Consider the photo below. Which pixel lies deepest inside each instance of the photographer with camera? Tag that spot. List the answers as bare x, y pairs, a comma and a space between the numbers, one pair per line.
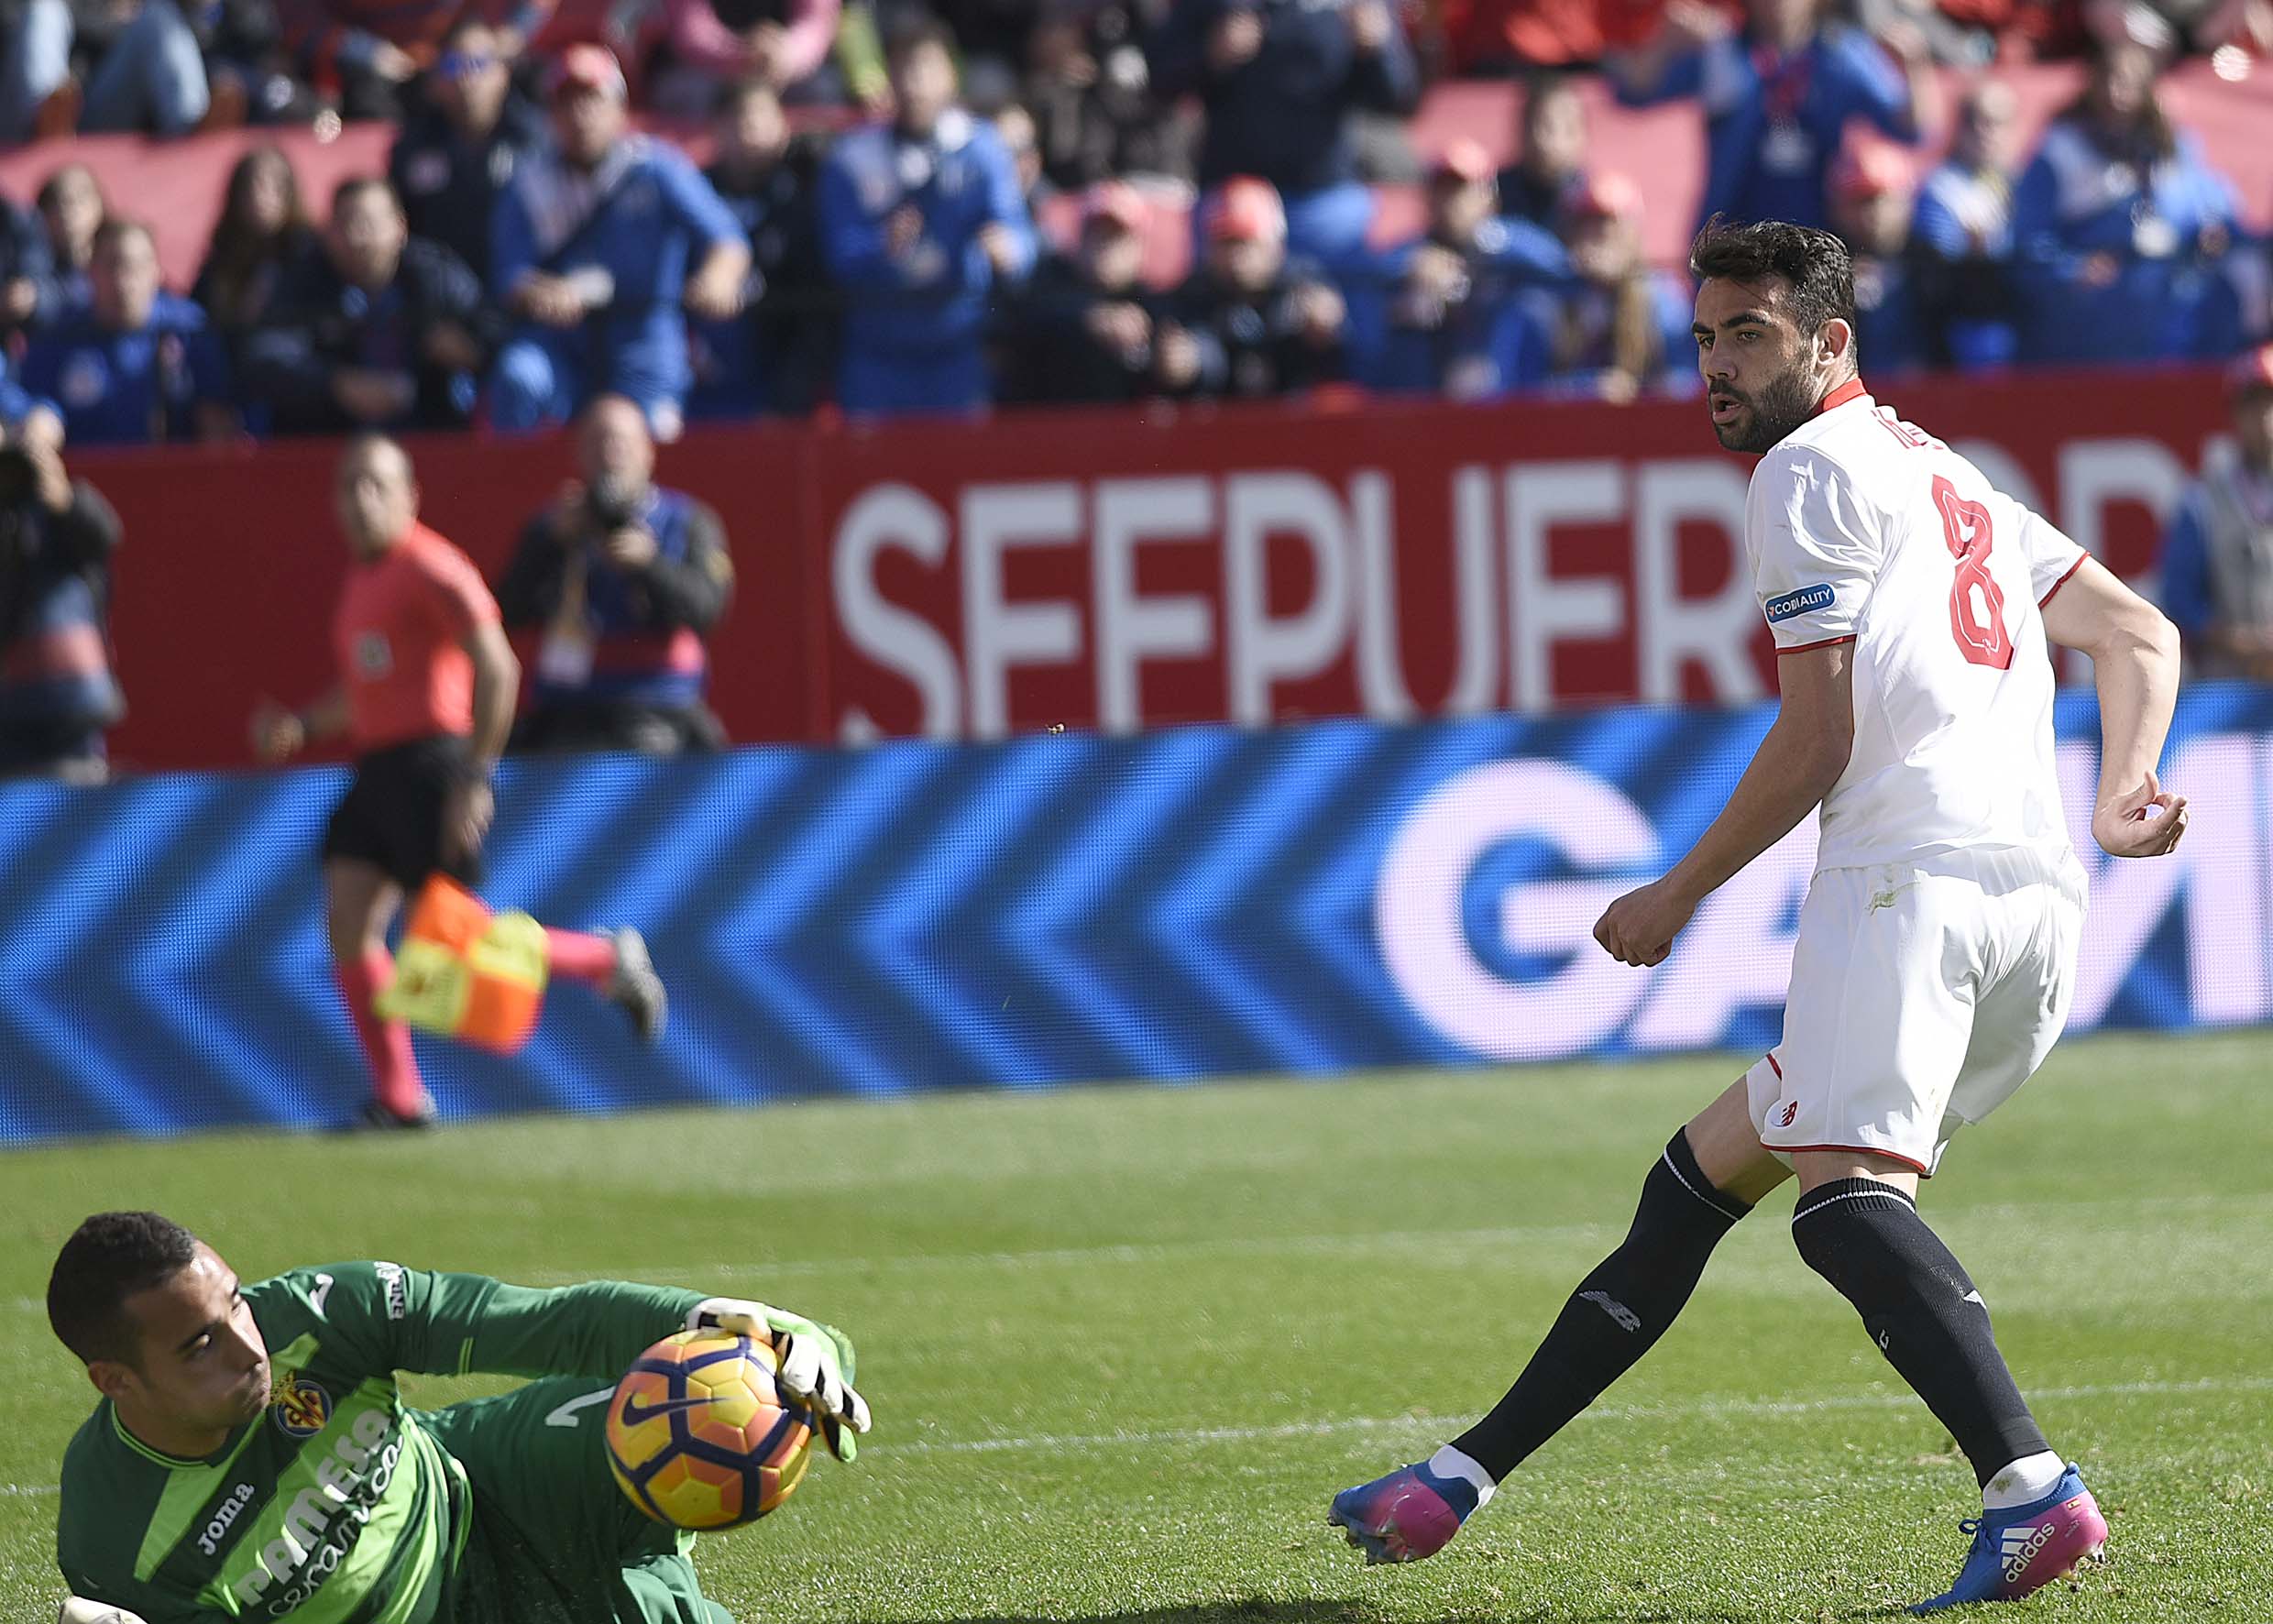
618, 584
57, 692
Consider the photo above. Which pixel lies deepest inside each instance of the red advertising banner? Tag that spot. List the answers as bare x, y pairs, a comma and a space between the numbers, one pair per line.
1114, 570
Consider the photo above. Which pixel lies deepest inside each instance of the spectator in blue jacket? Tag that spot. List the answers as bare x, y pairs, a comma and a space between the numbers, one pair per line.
1279, 79
1621, 326
1778, 96
1444, 313
372, 329
21, 413
2121, 227
921, 224
139, 364
1961, 236
2217, 556
1965, 207
468, 137
602, 249
57, 691
1872, 197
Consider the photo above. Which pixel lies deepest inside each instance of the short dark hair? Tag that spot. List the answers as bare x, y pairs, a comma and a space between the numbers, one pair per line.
115, 229
1542, 85
1814, 263
355, 186
913, 35
52, 187
107, 1259
465, 23
735, 92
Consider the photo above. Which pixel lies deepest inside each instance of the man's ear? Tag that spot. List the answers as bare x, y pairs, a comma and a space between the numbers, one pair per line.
114, 1379
1836, 340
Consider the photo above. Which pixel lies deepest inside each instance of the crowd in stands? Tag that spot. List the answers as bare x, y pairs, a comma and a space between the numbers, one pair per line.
866, 230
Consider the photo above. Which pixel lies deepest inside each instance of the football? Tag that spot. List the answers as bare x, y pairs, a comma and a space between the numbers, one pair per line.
701, 1433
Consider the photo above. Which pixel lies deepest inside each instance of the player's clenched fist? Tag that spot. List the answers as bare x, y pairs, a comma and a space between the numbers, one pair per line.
1639, 926
816, 1361
2146, 822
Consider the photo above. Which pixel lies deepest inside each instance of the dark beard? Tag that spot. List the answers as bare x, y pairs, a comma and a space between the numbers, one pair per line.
1777, 410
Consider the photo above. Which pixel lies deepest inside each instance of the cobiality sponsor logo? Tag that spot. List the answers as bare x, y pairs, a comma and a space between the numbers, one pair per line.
1804, 601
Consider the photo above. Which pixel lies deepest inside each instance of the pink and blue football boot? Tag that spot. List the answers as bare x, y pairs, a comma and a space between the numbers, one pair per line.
2026, 1548
1412, 1513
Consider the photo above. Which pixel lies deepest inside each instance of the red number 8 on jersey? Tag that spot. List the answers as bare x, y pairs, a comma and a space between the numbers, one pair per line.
1978, 629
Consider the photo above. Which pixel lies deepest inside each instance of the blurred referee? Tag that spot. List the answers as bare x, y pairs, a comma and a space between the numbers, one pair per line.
426, 691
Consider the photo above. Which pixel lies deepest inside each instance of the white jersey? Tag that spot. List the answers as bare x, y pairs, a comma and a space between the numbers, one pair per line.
1862, 529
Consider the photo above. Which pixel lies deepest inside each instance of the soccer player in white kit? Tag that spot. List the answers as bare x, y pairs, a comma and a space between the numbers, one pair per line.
1911, 604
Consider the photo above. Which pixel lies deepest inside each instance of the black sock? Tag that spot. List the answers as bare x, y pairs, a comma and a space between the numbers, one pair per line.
1616, 1315
1919, 1306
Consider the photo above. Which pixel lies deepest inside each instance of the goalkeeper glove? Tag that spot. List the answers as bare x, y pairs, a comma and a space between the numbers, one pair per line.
815, 1362
78, 1610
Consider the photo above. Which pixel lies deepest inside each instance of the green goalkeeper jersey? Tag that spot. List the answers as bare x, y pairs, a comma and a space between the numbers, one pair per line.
335, 1505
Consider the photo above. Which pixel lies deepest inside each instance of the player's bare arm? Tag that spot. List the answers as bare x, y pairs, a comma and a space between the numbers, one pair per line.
2135, 665
1795, 767
280, 735
496, 683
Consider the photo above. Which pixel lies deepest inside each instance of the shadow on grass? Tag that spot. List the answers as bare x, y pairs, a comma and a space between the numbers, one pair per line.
1257, 1611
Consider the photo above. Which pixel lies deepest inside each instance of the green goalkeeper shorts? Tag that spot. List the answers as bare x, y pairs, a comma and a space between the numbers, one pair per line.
555, 1541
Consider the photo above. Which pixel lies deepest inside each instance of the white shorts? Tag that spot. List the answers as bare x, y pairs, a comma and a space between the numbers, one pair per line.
1921, 1000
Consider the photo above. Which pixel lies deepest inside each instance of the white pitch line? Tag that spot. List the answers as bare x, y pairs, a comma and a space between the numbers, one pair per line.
1070, 1443
1085, 1442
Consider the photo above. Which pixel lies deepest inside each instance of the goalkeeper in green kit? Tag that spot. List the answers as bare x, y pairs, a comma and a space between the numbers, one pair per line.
252, 1458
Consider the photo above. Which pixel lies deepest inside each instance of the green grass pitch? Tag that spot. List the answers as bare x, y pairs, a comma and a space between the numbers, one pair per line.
1123, 1344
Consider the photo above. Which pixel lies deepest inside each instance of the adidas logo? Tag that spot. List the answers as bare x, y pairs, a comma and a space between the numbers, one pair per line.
2019, 1545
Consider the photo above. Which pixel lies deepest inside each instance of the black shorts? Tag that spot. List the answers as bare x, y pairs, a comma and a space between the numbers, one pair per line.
391, 814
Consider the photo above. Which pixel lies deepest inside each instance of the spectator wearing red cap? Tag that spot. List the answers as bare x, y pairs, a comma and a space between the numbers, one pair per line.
2217, 556
922, 225
1620, 328
1961, 236
1279, 79
1251, 324
1086, 327
1445, 313
2122, 228
1778, 94
1871, 206
602, 248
